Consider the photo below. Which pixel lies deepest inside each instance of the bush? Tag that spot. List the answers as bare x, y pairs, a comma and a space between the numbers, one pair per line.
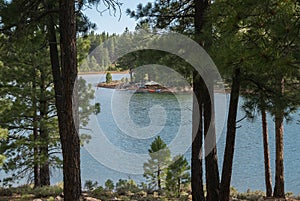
108, 78
47, 191
124, 186
22, 190
109, 185
100, 193
90, 185
233, 192
26, 197
251, 195
51, 199
5, 192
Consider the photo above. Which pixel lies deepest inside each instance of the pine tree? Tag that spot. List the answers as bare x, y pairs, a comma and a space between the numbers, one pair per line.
26, 80
155, 168
16, 17
257, 38
177, 175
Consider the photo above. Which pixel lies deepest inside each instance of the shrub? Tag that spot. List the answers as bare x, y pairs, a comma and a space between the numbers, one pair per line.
233, 192
26, 197
24, 189
108, 78
124, 186
251, 195
109, 185
51, 199
90, 185
47, 191
5, 192
100, 193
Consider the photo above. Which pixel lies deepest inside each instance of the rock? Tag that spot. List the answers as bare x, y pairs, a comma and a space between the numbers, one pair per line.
91, 199
114, 199
58, 198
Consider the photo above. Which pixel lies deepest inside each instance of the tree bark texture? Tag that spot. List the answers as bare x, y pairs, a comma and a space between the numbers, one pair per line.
69, 126
268, 178
197, 129
279, 116
64, 71
230, 136
44, 135
197, 124
211, 159
36, 166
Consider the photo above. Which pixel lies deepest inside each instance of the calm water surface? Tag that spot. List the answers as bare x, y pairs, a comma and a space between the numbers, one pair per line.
248, 168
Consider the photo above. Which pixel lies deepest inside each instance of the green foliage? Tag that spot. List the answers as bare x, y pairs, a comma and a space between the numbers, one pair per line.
251, 195
3, 136
97, 108
173, 15
125, 186
29, 112
85, 95
155, 169
47, 191
178, 174
5, 192
101, 193
262, 38
90, 185
26, 190
116, 46
93, 54
51, 199
26, 197
108, 78
83, 46
109, 185
28, 109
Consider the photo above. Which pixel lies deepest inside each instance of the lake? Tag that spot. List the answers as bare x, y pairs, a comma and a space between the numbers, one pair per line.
170, 116
129, 122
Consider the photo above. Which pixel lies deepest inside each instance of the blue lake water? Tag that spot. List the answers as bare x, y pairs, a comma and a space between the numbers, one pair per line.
248, 168
128, 123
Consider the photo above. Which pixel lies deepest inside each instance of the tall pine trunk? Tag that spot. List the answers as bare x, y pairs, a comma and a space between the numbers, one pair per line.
230, 136
211, 159
36, 160
44, 135
279, 174
198, 89
197, 129
279, 170
158, 180
69, 125
64, 77
36, 166
268, 179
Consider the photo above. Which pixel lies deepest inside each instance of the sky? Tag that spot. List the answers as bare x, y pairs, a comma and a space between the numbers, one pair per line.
112, 24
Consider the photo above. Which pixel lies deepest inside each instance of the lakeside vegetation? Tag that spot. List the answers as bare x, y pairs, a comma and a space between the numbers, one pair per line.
130, 191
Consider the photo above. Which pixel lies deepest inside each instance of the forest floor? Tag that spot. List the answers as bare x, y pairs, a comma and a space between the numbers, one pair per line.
86, 197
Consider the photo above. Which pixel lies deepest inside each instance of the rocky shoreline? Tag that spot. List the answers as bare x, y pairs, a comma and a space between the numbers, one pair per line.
119, 85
